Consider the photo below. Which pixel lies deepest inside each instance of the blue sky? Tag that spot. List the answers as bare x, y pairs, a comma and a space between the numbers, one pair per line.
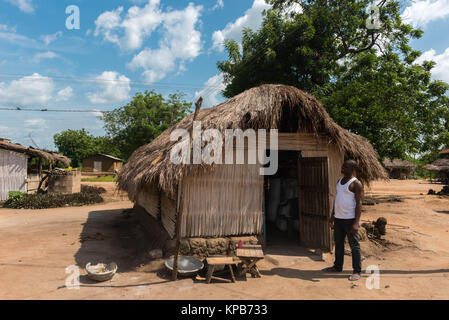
123, 47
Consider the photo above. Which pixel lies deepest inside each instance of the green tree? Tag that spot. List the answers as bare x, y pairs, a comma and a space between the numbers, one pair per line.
143, 119
79, 144
365, 77
394, 104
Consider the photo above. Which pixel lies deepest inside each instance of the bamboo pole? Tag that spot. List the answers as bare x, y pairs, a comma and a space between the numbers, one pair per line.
174, 276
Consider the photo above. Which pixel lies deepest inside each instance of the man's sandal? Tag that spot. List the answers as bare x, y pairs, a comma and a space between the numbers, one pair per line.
354, 277
331, 269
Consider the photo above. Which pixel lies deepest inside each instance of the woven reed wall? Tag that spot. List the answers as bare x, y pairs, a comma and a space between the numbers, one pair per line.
13, 173
224, 202
148, 199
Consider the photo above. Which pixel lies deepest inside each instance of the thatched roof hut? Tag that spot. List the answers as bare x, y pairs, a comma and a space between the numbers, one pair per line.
48, 155
304, 126
15, 172
399, 168
439, 165
259, 107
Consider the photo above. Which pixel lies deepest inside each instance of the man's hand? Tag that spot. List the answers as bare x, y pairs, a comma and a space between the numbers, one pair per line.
355, 228
331, 223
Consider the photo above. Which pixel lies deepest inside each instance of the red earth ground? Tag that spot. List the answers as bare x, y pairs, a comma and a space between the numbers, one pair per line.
36, 247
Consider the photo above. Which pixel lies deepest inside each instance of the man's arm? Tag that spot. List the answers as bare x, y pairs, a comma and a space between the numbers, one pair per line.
358, 193
332, 218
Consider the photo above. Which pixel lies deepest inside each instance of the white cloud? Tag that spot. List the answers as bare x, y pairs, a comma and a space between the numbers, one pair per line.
34, 122
217, 5
29, 90
64, 94
421, 12
115, 88
179, 41
440, 71
23, 5
45, 55
130, 32
233, 30
211, 91
49, 38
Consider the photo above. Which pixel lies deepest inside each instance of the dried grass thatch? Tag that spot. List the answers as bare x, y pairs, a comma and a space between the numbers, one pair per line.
439, 165
398, 164
50, 156
261, 107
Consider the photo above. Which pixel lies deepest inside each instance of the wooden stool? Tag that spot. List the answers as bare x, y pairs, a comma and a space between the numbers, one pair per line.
215, 261
250, 255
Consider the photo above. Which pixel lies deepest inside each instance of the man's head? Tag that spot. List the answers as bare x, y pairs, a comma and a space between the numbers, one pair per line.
348, 167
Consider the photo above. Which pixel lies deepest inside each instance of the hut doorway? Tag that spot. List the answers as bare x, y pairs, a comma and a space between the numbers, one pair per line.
297, 202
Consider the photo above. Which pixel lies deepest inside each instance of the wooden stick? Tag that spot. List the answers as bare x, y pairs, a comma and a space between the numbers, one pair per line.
174, 276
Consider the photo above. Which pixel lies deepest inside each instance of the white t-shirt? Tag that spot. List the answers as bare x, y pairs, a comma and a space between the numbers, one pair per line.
345, 200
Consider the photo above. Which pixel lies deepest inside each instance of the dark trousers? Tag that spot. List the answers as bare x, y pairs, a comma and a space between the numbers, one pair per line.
342, 228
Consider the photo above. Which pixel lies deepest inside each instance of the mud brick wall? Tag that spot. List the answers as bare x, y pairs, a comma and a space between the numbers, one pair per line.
204, 247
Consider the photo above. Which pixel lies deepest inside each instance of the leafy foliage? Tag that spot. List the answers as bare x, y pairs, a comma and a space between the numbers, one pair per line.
366, 78
89, 195
143, 119
79, 144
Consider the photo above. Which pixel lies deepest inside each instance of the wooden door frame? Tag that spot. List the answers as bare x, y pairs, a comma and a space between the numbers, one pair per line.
325, 160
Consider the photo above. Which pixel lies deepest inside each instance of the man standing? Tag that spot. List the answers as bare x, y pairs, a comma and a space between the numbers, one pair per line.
345, 219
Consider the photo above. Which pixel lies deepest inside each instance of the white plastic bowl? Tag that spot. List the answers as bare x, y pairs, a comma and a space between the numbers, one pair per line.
101, 271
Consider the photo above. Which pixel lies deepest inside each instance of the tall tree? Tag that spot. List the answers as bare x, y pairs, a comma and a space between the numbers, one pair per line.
79, 144
143, 119
360, 65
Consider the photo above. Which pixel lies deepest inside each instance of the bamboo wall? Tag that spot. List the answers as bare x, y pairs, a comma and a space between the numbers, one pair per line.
148, 199
13, 173
224, 202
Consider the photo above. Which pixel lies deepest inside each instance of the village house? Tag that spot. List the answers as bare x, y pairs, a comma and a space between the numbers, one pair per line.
17, 170
223, 203
102, 164
399, 168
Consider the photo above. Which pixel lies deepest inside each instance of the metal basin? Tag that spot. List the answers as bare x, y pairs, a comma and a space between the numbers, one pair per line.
187, 266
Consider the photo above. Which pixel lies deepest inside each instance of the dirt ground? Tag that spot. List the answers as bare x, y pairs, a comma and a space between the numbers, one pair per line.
36, 247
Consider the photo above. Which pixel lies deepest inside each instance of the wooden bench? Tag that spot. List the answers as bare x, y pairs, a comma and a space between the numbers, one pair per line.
215, 261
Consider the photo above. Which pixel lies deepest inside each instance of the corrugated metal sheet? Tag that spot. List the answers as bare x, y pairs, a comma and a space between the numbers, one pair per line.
13, 173
224, 202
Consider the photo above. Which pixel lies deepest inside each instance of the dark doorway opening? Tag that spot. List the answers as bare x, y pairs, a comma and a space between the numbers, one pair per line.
281, 201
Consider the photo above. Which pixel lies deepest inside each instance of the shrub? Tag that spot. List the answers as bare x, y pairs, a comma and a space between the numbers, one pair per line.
51, 200
14, 197
92, 189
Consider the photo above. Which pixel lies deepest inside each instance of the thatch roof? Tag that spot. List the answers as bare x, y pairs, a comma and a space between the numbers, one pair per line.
398, 164
50, 156
258, 108
446, 151
438, 165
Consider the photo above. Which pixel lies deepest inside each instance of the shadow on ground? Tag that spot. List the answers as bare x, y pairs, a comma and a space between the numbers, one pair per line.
316, 275
113, 236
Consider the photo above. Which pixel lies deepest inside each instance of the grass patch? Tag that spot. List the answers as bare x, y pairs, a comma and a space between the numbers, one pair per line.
100, 179
88, 195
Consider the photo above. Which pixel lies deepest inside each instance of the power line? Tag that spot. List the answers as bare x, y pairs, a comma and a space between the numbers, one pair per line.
52, 110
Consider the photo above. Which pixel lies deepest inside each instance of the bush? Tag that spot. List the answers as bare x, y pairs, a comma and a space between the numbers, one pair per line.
15, 197
92, 189
43, 201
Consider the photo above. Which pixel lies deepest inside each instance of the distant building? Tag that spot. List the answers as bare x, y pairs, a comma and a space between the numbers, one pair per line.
399, 169
441, 166
16, 173
102, 163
